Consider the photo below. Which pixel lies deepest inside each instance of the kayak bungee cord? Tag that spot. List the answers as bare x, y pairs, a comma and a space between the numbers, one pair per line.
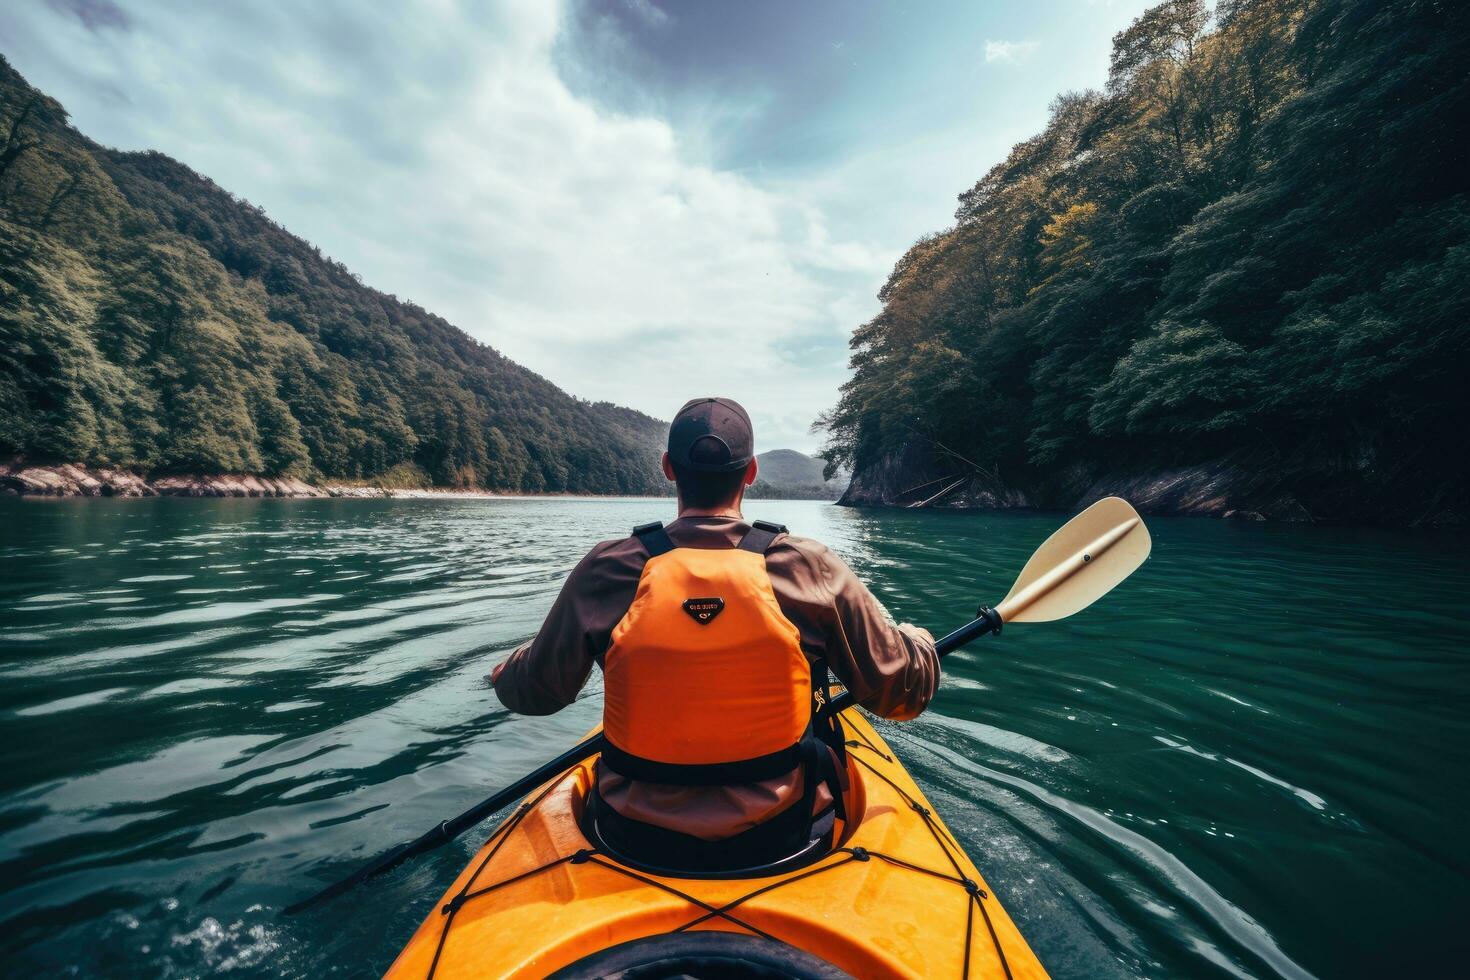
976, 895
945, 842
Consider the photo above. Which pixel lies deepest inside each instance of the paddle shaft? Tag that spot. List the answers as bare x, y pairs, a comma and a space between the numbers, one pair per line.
450, 829
987, 622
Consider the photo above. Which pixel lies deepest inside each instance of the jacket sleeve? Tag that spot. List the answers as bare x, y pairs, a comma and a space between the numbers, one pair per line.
891, 668
546, 674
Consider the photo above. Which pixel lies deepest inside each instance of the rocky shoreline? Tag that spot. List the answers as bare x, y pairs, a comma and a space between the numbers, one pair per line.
18, 478
71, 480
1231, 488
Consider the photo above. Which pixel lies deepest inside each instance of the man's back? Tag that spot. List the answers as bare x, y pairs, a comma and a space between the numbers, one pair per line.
891, 669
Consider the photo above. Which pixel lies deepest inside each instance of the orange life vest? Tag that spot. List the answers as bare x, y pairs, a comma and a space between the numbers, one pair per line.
706, 681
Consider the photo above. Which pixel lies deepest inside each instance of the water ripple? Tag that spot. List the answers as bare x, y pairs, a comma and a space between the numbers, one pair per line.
211, 707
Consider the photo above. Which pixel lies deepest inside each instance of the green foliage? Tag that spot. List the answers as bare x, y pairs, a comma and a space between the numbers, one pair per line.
149, 319
1253, 242
404, 476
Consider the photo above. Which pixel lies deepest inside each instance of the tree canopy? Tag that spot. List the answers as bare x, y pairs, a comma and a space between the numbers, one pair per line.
149, 319
1252, 244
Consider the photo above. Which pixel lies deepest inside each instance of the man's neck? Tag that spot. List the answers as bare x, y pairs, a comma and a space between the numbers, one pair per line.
728, 510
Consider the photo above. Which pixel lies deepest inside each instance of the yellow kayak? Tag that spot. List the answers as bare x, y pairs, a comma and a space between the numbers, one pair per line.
897, 897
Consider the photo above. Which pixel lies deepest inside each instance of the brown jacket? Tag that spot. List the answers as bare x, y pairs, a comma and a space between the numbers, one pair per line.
891, 668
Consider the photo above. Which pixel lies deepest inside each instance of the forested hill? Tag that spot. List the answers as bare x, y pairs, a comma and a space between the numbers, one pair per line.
785, 474
1242, 268
787, 467
151, 320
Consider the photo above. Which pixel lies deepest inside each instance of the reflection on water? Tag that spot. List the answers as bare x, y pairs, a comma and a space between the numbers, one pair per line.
1249, 761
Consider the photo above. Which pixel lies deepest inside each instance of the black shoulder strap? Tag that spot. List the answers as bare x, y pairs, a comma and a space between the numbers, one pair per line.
760, 536
654, 538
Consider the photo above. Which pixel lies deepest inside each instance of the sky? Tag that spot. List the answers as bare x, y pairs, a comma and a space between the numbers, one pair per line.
643, 201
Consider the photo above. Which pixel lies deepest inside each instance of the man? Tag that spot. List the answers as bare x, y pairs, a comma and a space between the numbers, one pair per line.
715, 638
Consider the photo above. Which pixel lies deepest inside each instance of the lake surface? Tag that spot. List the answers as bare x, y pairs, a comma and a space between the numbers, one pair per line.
1252, 759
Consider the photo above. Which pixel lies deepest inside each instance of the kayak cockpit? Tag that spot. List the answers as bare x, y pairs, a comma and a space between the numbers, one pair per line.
823, 842
895, 897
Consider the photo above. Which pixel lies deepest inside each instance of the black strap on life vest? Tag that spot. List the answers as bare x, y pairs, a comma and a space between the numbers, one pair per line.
764, 847
760, 537
654, 538
756, 770
826, 730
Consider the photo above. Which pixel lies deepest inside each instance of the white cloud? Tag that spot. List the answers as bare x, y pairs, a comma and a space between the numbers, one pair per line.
649, 14
436, 151
1010, 52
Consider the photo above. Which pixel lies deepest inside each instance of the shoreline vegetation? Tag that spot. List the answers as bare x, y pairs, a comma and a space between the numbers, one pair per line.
152, 322
165, 338
19, 478
1232, 281
1218, 492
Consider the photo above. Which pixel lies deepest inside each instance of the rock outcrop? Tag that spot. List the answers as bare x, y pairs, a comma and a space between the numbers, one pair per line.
1237, 488
913, 479
18, 477
355, 490
235, 486
1217, 489
70, 480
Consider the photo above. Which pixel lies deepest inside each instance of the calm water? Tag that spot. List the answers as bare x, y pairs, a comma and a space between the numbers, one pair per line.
1250, 760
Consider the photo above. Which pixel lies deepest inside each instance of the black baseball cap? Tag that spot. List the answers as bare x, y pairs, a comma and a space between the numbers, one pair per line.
711, 435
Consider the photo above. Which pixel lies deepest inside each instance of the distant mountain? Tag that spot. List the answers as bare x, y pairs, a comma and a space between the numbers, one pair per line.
788, 474
151, 320
787, 467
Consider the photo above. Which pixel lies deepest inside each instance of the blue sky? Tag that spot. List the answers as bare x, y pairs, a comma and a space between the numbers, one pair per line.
641, 200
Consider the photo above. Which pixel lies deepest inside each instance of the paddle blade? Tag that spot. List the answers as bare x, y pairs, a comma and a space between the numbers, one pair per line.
1079, 564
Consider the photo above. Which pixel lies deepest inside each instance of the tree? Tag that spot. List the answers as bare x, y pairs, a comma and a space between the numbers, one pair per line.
149, 318
1246, 248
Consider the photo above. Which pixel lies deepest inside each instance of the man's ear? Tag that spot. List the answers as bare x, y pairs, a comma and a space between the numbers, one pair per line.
750, 471
668, 465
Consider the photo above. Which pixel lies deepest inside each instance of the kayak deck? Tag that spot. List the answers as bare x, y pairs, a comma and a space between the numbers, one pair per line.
897, 897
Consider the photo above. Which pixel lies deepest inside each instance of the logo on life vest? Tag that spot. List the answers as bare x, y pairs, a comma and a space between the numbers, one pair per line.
702, 611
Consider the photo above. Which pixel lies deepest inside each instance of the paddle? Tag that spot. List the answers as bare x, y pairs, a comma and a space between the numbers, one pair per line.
1079, 564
